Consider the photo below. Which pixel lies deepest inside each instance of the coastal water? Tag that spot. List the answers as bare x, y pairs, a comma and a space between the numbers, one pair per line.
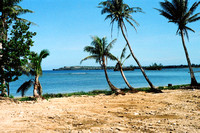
87, 80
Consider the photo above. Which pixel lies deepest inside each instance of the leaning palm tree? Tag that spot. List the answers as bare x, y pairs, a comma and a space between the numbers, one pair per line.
118, 11
179, 13
118, 66
34, 69
9, 11
100, 51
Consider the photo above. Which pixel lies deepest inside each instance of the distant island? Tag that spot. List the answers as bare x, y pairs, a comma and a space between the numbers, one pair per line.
127, 68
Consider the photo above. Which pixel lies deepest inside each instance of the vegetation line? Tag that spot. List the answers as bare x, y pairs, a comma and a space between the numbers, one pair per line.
104, 92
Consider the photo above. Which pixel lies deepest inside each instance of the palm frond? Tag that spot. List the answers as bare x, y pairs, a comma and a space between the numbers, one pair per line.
126, 58
90, 49
131, 24
110, 45
44, 53
188, 28
123, 53
111, 57
165, 14
24, 87
194, 7
194, 18
89, 57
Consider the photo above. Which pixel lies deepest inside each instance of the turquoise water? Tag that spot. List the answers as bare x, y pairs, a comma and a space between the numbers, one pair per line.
87, 80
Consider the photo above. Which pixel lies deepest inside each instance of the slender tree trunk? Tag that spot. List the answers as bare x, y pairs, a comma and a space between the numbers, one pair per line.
35, 90
138, 63
3, 37
125, 80
193, 79
8, 88
40, 89
112, 87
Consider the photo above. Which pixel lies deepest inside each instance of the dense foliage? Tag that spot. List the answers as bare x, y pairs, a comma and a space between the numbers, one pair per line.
16, 51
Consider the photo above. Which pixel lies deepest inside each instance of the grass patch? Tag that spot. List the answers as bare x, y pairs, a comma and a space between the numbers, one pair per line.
174, 87
97, 92
146, 89
11, 96
27, 99
90, 93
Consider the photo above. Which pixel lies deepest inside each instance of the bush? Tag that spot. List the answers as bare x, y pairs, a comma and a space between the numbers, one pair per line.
11, 96
27, 99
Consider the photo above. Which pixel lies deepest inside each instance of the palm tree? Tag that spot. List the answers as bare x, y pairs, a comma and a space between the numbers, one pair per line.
178, 12
118, 11
100, 51
119, 65
9, 10
34, 69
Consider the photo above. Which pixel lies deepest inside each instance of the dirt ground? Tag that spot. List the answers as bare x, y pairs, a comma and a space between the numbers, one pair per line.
171, 111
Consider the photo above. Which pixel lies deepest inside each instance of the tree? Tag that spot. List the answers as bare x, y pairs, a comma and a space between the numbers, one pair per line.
179, 13
119, 65
9, 12
118, 11
16, 50
33, 68
100, 51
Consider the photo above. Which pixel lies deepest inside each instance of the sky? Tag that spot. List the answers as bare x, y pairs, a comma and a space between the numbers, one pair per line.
65, 27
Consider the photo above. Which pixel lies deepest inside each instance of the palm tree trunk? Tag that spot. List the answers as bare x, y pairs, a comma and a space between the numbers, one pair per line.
125, 80
40, 89
138, 63
112, 87
193, 79
35, 90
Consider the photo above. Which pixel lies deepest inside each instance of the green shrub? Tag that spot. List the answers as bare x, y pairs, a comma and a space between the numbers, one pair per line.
27, 99
11, 96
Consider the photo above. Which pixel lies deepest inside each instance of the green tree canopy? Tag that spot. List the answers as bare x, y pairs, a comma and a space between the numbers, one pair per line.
16, 51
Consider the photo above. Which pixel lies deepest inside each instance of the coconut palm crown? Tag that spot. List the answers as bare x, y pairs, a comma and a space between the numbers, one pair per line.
177, 12
118, 11
11, 9
99, 49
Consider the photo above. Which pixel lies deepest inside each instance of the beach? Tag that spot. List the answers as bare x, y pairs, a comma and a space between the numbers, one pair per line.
171, 111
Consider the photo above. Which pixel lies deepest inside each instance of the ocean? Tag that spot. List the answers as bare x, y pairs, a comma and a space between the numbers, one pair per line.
87, 80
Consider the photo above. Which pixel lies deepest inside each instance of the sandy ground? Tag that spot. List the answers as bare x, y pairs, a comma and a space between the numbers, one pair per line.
171, 111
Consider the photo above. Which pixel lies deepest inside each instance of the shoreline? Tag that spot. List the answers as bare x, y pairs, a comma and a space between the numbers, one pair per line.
102, 92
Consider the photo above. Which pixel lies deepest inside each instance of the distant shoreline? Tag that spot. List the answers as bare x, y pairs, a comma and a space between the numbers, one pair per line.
128, 68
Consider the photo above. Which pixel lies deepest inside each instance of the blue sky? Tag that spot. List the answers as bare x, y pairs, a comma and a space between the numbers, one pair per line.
65, 27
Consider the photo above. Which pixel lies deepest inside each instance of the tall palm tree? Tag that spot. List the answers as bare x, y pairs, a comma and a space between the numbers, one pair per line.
179, 13
34, 68
118, 11
119, 65
9, 10
100, 51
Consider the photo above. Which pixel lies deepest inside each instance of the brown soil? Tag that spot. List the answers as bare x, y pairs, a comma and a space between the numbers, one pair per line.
171, 111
